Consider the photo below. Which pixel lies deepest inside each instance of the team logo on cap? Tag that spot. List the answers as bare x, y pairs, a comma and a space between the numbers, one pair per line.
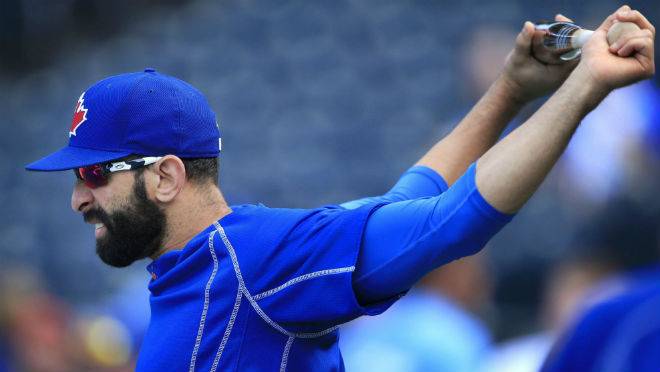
79, 116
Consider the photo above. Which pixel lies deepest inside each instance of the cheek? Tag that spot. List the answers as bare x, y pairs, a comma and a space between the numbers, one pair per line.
103, 200
110, 203
116, 194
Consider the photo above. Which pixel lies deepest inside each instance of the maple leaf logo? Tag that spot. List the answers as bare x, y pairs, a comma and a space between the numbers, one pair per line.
79, 116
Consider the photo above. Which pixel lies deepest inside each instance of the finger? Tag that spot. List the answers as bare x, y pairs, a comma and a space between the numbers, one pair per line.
636, 17
643, 45
562, 18
623, 39
538, 50
607, 23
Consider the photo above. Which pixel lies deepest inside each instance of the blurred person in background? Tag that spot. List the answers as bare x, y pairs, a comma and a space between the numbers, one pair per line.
567, 284
36, 326
433, 328
619, 242
619, 327
40, 332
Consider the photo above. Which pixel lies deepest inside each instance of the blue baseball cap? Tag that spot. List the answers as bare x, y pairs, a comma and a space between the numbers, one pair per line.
145, 113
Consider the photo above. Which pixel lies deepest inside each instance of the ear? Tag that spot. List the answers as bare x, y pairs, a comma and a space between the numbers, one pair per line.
170, 177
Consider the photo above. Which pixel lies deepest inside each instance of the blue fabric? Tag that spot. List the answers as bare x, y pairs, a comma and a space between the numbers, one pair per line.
620, 334
5, 360
271, 291
407, 239
144, 113
418, 182
272, 248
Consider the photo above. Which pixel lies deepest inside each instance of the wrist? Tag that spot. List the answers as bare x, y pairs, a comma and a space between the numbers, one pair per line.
511, 91
585, 88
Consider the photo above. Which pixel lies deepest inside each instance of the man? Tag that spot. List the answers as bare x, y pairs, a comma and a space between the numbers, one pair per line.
254, 288
619, 329
619, 334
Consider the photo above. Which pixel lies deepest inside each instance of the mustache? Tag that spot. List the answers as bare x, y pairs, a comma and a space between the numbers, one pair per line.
96, 215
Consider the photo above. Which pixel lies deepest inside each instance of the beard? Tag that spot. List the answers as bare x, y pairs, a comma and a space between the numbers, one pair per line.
132, 233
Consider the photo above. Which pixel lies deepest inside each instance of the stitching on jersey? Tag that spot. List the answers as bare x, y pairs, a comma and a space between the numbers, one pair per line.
207, 293
253, 302
230, 326
285, 355
301, 278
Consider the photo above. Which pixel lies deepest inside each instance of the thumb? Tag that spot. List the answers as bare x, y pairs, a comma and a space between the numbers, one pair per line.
524, 39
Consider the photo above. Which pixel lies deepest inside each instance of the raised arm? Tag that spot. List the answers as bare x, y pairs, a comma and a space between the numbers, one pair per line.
522, 79
405, 240
509, 173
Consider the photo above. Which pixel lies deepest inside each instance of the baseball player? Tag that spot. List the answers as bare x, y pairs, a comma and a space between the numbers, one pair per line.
617, 335
619, 329
252, 288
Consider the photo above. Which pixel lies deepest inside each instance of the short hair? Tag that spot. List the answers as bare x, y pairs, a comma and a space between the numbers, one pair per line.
624, 233
200, 170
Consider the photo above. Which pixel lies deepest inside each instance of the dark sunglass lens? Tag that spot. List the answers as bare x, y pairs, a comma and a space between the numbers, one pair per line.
93, 176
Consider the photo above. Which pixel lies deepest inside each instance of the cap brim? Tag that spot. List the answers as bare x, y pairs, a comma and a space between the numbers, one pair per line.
73, 157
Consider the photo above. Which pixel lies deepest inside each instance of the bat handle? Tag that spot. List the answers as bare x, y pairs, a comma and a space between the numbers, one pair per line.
580, 38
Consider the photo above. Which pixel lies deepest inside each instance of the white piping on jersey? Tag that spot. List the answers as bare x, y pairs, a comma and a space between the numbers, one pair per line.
230, 326
285, 354
301, 278
253, 302
207, 292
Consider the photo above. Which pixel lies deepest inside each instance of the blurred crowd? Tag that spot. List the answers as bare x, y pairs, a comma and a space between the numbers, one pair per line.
41, 332
320, 102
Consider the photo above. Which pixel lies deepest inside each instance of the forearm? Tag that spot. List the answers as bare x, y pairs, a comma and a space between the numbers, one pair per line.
510, 172
475, 134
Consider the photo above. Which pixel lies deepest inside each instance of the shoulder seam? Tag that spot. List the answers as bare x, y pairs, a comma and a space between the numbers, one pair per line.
253, 302
303, 278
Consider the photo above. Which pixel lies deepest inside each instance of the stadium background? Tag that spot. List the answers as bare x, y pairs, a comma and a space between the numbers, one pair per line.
319, 102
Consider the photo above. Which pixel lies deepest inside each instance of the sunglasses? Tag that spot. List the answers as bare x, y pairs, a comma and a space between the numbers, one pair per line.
97, 175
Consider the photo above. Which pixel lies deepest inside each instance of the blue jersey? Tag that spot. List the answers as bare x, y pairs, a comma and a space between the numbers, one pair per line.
619, 335
262, 290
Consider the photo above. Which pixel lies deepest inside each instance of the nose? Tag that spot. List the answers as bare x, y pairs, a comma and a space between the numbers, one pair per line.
81, 197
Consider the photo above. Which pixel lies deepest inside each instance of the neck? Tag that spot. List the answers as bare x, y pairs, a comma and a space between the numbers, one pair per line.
199, 208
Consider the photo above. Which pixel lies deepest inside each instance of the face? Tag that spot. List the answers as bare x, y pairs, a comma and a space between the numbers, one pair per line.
129, 226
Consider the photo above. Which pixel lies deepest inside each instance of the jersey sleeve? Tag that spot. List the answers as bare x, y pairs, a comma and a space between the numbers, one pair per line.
417, 182
297, 265
405, 240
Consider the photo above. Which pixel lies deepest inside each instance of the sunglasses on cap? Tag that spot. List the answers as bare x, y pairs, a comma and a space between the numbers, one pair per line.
97, 175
